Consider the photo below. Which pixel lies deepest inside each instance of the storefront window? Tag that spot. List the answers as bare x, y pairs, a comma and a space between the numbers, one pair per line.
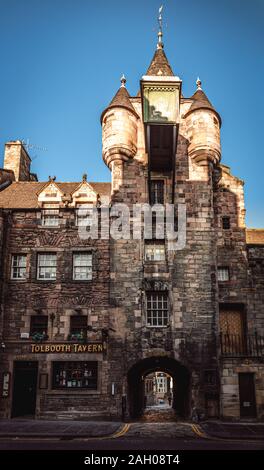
75, 375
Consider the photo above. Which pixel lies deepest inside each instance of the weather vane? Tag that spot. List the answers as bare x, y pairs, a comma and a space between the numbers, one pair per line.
160, 17
160, 34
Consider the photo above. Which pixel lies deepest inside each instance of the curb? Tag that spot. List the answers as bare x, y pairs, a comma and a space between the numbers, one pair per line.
117, 433
221, 437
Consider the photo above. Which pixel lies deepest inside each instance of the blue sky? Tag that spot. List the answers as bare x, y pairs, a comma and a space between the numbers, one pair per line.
61, 61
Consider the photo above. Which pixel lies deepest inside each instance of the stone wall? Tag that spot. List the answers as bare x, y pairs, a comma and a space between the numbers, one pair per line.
230, 403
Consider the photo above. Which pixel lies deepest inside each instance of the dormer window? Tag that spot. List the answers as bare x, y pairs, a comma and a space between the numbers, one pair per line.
50, 195
50, 217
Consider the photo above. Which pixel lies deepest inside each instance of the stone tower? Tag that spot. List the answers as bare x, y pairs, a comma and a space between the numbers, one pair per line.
166, 164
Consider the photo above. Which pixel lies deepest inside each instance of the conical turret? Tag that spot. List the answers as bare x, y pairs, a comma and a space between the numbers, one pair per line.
119, 123
203, 123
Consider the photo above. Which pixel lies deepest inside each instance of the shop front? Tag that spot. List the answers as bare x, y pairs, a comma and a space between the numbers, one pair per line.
55, 380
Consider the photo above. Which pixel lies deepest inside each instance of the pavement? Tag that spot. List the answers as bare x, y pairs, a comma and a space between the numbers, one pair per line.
43, 429
64, 429
241, 430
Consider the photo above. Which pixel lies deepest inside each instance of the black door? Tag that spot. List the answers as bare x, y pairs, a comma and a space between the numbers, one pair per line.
24, 388
247, 396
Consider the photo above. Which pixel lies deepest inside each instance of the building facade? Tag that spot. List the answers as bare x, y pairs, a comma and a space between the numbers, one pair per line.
84, 320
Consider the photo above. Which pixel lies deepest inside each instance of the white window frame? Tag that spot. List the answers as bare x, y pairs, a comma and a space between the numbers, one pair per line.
50, 217
18, 267
83, 213
82, 265
157, 254
47, 262
223, 274
157, 309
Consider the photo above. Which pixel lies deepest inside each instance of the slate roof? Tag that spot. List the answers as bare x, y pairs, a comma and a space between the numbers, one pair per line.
200, 101
24, 195
160, 65
121, 99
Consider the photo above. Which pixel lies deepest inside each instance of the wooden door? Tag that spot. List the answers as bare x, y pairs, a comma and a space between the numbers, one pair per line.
247, 395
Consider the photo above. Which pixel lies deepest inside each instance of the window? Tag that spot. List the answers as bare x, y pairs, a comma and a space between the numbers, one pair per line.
38, 324
50, 217
18, 270
83, 215
75, 375
78, 326
154, 251
47, 265
223, 274
226, 223
231, 321
232, 329
157, 192
82, 266
157, 308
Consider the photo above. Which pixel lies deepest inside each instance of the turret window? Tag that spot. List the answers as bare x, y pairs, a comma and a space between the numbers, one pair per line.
226, 223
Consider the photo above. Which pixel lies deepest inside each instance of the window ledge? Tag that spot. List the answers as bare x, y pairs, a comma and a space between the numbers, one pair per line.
156, 326
73, 391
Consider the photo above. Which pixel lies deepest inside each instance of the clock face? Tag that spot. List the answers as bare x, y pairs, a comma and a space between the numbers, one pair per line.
161, 104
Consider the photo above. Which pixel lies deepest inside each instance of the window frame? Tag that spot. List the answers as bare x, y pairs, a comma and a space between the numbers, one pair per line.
40, 317
19, 268
47, 279
153, 243
226, 222
74, 330
225, 269
74, 266
157, 192
86, 208
165, 314
69, 367
53, 214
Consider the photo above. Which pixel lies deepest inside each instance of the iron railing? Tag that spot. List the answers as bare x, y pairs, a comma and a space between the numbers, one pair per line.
241, 345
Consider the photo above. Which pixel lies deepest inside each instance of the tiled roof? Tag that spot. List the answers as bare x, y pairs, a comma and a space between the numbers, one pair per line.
160, 65
200, 101
24, 195
255, 236
121, 99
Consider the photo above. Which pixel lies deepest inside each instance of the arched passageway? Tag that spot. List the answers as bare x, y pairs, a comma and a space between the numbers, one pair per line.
180, 389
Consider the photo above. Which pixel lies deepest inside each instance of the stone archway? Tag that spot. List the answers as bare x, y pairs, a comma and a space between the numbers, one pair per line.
181, 384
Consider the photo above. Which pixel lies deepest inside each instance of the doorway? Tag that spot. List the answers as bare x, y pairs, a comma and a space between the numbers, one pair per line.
24, 389
247, 395
171, 374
